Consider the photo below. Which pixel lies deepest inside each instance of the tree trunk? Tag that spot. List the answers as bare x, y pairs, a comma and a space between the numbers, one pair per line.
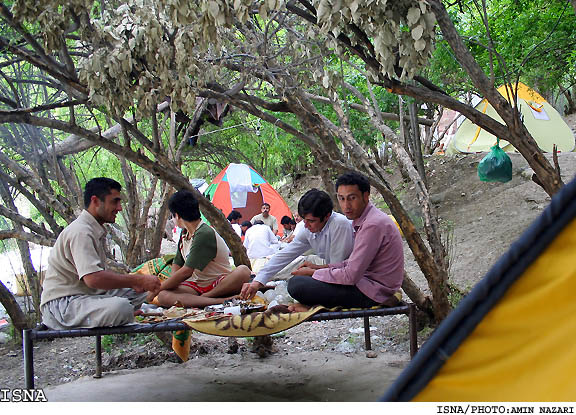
386, 158
571, 105
328, 182
376, 155
433, 266
17, 316
30, 280
415, 294
403, 130
416, 142
161, 225
548, 177
428, 148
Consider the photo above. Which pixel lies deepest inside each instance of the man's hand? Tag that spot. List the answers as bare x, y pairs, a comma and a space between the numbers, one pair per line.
311, 265
308, 264
145, 282
249, 290
305, 271
151, 296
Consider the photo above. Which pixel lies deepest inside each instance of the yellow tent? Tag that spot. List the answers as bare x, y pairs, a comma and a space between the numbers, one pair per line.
511, 338
541, 119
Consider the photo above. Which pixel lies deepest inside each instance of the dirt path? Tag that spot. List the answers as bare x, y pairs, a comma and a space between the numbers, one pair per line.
296, 377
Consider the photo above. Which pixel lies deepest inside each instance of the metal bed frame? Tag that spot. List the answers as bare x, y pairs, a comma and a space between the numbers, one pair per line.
42, 332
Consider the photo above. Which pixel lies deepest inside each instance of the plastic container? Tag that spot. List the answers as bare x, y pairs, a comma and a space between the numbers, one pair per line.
235, 310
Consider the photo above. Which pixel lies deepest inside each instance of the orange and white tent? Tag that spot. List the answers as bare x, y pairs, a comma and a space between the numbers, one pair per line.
240, 187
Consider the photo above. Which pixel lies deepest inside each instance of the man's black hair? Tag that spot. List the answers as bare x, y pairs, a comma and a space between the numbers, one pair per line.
292, 222
265, 204
99, 187
185, 205
285, 220
258, 222
354, 178
247, 224
315, 202
234, 215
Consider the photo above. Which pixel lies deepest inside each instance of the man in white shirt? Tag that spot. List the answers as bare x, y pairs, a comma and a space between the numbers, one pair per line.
299, 227
327, 233
234, 219
258, 241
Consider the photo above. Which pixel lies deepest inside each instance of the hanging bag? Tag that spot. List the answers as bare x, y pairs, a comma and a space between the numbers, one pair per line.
496, 166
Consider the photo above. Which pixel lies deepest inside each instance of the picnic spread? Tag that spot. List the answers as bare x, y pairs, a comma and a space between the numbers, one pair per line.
233, 318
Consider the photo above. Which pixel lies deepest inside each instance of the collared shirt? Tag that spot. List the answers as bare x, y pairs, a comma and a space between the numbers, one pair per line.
258, 241
78, 251
376, 265
333, 244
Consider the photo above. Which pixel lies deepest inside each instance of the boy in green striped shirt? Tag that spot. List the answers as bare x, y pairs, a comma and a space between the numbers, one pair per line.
201, 272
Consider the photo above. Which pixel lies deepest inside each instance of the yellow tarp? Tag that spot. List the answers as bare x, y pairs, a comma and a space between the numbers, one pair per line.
523, 349
254, 324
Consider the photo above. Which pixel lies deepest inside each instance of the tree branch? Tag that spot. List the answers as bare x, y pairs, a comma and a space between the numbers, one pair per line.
30, 224
47, 107
26, 236
385, 115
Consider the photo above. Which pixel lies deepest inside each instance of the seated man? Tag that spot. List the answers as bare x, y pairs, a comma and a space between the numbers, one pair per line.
244, 226
375, 269
78, 291
259, 241
234, 219
299, 225
266, 217
327, 233
201, 272
289, 225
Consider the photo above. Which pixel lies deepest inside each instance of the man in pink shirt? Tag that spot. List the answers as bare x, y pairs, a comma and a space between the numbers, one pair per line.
375, 269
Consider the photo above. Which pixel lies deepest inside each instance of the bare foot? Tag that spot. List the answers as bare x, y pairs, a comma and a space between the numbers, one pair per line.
298, 308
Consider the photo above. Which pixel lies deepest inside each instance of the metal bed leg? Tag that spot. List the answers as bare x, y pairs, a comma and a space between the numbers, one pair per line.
28, 352
367, 341
413, 331
98, 373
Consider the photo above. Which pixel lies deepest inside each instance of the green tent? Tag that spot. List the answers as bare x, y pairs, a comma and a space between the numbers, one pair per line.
541, 119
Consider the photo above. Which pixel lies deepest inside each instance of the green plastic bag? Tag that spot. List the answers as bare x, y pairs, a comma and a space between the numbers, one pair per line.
496, 166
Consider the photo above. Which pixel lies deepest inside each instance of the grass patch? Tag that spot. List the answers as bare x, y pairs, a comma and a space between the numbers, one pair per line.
110, 341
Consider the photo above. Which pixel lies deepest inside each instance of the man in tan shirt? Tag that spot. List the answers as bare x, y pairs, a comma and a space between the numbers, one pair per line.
78, 291
266, 217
